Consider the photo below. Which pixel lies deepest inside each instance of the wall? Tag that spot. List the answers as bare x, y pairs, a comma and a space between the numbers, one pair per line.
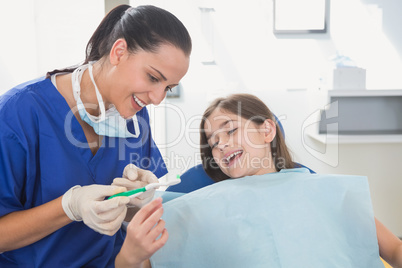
18, 43
42, 35
285, 72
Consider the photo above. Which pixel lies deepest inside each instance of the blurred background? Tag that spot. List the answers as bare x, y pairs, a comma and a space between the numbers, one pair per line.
237, 49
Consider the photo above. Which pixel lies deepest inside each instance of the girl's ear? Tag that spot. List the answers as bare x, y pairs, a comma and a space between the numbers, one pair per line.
118, 50
269, 130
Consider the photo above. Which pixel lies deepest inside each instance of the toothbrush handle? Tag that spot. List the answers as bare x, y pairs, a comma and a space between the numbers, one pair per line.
128, 193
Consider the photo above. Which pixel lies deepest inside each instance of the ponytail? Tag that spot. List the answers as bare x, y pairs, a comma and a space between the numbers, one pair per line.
143, 27
102, 39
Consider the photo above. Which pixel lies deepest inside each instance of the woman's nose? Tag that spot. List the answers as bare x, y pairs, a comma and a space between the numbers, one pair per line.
157, 96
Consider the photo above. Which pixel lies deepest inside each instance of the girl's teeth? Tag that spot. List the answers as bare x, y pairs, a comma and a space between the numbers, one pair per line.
232, 155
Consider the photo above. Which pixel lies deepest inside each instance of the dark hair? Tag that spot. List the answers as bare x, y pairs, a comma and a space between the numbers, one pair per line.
251, 108
142, 27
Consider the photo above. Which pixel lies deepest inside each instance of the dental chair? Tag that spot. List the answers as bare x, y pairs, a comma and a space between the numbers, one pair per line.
196, 177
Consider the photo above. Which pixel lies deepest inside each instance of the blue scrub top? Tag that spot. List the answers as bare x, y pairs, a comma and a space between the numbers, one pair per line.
43, 153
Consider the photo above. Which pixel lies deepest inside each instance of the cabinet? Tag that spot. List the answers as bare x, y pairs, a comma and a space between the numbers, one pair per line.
361, 116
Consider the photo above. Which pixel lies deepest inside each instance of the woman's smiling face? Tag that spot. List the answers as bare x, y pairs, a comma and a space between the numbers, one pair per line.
239, 146
144, 77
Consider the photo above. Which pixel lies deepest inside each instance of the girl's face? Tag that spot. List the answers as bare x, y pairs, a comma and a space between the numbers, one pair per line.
141, 78
239, 146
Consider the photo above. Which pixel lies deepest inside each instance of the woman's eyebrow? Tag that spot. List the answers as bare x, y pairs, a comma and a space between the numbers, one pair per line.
156, 70
220, 126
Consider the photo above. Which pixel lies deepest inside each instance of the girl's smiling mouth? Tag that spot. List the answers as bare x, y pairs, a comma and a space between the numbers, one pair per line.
229, 159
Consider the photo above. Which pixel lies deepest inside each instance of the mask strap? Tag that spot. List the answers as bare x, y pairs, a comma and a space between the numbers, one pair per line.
75, 80
98, 95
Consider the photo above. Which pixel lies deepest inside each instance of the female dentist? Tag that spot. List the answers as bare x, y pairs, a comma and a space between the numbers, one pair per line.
66, 136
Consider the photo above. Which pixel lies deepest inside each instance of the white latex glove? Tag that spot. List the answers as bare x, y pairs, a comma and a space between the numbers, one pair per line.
134, 178
88, 204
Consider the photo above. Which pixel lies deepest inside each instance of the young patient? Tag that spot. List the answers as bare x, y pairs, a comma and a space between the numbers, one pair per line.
240, 138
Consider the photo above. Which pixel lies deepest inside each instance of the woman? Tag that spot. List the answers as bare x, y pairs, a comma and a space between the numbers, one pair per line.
64, 138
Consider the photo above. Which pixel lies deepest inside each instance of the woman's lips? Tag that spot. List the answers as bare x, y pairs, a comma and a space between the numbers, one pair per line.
137, 103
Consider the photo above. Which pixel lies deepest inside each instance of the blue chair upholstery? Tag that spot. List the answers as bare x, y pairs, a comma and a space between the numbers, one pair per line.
191, 180
196, 177
298, 165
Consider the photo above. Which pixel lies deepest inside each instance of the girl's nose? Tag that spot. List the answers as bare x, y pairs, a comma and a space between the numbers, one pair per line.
223, 143
157, 96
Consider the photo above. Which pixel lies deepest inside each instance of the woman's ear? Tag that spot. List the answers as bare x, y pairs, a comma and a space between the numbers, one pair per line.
118, 50
269, 130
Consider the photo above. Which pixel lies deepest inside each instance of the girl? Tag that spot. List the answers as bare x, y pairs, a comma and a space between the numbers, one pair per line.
240, 137
64, 138
241, 223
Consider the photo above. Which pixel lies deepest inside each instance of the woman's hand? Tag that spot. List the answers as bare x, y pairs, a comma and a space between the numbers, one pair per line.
142, 236
88, 204
134, 178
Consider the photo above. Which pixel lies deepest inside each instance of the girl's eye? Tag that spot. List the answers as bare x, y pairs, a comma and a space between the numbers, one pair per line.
214, 145
168, 88
153, 78
232, 131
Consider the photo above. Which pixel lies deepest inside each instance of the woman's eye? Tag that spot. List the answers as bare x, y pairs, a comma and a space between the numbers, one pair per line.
153, 78
168, 88
232, 131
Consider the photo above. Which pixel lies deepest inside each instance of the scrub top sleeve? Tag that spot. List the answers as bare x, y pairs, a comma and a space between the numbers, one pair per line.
12, 173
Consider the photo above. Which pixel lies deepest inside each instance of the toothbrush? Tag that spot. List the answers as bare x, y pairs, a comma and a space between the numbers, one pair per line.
137, 192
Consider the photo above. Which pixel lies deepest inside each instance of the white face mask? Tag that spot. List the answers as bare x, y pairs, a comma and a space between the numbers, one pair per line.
108, 123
